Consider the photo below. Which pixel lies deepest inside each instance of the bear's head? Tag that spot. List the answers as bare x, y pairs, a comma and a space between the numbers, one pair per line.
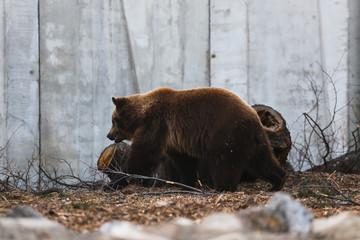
123, 119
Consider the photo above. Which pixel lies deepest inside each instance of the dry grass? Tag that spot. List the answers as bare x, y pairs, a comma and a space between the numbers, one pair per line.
84, 210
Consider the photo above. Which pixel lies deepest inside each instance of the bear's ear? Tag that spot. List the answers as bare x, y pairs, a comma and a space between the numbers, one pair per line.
119, 102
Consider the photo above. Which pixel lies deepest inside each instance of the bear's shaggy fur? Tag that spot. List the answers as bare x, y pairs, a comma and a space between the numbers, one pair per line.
209, 128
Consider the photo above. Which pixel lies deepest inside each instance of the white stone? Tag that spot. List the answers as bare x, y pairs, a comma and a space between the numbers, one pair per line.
299, 217
218, 223
184, 222
230, 236
31, 228
342, 226
127, 230
29, 223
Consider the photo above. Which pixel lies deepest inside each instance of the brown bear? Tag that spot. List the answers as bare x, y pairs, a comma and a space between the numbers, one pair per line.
209, 128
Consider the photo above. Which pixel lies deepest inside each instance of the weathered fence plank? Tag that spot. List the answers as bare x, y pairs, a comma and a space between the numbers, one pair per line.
196, 43
3, 112
93, 50
229, 43
169, 42
334, 43
354, 66
85, 61
280, 73
20, 80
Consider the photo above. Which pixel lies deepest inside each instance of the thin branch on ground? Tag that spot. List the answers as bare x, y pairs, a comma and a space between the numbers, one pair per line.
141, 177
331, 186
175, 192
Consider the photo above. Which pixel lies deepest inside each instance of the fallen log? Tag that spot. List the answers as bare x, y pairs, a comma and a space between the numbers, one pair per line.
277, 131
113, 159
348, 163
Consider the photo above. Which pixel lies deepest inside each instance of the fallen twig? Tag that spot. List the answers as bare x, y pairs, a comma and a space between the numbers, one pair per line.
345, 199
331, 186
175, 192
137, 176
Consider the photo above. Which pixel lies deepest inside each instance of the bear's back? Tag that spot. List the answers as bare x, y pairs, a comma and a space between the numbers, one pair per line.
211, 105
211, 102
196, 117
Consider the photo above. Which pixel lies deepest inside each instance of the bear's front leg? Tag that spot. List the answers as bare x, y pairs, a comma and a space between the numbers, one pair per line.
144, 158
142, 161
146, 153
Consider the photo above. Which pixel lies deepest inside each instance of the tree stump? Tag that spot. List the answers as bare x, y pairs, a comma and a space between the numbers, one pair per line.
278, 133
113, 159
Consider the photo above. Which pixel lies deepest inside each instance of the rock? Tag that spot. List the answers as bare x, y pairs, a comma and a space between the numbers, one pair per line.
282, 214
184, 222
180, 228
342, 226
25, 223
23, 212
127, 230
31, 228
261, 219
299, 217
229, 236
218, 224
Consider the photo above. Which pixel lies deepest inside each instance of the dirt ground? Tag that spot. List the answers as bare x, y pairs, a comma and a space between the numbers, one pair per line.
88, 210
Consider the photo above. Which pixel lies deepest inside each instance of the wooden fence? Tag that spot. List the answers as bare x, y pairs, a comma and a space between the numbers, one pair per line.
63, 60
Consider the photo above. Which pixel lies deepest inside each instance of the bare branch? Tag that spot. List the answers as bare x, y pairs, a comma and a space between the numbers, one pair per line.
137, 176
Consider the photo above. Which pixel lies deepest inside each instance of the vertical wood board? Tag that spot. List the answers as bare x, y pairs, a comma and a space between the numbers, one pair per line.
3, 111
169, 42
21, 79
354, 65
85, 61
229, 46
284, 51
266, 53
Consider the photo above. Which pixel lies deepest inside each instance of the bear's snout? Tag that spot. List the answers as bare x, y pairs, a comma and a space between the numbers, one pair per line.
109, 136
112, 134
